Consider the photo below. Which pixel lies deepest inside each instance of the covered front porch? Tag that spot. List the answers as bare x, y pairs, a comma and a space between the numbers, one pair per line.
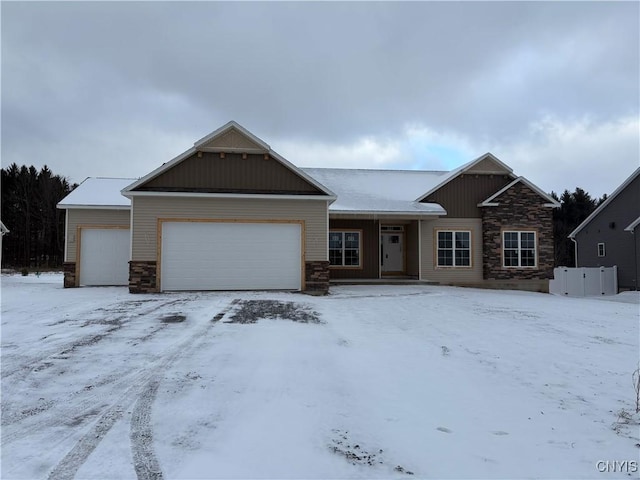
380, 249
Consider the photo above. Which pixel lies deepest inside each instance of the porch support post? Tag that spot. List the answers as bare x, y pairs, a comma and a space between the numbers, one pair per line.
379, 250
419, 249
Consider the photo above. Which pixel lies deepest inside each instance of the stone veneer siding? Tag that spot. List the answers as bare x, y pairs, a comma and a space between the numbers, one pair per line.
142, 277
317, 277
69, 269
520, 209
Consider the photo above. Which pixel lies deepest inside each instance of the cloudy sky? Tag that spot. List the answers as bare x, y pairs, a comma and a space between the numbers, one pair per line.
116, 89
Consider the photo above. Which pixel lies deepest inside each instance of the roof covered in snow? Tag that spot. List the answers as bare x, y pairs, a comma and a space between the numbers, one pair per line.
379, 191
98, 192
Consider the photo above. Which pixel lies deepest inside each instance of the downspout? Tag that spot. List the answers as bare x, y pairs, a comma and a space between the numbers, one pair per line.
66, 233
575, 251
635, 254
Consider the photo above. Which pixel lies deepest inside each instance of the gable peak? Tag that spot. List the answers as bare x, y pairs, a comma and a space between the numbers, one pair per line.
232, 137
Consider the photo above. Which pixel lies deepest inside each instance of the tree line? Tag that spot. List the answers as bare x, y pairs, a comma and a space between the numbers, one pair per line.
36, 226
36, 238
575, 207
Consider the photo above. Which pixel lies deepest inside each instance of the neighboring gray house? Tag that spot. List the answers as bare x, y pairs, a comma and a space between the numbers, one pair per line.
611, 234
3, 231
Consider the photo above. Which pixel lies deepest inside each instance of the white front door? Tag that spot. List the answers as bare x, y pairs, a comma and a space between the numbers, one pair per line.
391, 251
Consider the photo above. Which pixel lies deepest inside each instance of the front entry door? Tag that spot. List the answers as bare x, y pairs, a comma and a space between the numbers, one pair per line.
391, 251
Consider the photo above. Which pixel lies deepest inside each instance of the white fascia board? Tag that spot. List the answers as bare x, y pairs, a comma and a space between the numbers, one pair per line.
388, 213
632, 226
93, 207
265, 196
604, 204
463, 168
490, 203
229, 126
162, 168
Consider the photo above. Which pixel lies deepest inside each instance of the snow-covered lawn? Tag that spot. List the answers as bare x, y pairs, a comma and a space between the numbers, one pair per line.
437, 381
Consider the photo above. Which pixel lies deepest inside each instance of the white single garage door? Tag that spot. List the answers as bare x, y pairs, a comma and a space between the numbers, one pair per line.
104, 256
230, 256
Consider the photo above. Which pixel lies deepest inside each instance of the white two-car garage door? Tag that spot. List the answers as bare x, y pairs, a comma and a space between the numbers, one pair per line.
104, 256
230, 256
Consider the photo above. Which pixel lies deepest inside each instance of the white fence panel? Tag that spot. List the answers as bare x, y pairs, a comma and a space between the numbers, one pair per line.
584, 282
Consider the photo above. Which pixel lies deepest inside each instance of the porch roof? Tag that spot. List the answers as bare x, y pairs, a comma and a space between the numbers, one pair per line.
384, 192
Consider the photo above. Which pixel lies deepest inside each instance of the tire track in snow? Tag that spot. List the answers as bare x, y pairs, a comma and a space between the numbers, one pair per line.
141, 431
62, 351
144, 458
11, 416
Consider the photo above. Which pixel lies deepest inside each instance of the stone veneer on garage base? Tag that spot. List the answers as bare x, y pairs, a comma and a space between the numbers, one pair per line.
316, 277
142, 277
69, 269
520, 209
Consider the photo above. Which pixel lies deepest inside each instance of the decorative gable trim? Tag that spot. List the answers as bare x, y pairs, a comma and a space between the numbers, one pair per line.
604, 204
201, 145
469, 166
232, 137
491, 201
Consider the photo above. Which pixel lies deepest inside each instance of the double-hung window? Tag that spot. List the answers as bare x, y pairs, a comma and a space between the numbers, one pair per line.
454, 249
344, 248
601, 250
519, 249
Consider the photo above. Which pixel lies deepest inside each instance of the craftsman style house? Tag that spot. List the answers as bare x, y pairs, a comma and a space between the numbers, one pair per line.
231, 214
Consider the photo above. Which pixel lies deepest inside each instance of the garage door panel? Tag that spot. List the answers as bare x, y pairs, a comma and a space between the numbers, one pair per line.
104, 256
230, 256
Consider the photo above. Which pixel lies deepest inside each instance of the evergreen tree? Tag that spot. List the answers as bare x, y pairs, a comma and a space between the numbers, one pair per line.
574, 208
29, 199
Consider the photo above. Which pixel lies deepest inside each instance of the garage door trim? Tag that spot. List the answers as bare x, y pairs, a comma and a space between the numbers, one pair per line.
228, 220
79, 229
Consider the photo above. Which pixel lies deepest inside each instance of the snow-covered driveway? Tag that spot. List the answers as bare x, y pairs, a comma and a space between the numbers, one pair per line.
434, 382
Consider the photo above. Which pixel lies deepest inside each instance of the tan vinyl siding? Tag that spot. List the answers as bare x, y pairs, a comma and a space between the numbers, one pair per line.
232, 139
147, 210
460, 197
231, 174
487, 166
83, 216
460, 275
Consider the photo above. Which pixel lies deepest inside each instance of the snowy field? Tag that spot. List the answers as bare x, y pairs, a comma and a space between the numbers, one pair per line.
369, 382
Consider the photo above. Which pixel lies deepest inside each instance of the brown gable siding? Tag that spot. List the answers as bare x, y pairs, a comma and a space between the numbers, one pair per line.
460, 197
211, 173
520, 208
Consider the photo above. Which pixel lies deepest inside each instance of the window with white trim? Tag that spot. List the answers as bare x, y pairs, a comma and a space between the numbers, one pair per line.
344, 249
601, 250
454, 248
519, 249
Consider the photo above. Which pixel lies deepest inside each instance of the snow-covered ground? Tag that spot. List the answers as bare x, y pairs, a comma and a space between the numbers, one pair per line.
369, 382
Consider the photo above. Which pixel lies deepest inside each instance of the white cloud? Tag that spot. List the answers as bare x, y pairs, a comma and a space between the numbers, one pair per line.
556, 154
364, 152
561, 154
